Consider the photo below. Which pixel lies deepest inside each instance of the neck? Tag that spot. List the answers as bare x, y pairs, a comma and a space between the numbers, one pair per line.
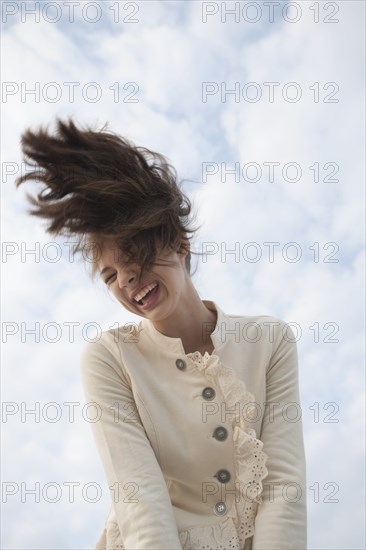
193, 324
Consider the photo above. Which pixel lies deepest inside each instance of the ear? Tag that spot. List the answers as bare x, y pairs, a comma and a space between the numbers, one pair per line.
184, 247
185, 253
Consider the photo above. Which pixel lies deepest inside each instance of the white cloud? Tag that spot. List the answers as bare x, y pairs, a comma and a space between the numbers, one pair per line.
169, 53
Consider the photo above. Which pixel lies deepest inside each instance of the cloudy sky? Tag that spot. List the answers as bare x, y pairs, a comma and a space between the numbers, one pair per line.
261, 111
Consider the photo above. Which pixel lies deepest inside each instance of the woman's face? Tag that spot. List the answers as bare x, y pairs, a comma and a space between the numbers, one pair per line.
165, 283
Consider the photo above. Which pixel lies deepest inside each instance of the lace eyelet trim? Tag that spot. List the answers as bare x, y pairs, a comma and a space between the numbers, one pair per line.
250, 463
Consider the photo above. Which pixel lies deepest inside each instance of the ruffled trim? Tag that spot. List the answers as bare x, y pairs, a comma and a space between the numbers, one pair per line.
250, 463
211, 537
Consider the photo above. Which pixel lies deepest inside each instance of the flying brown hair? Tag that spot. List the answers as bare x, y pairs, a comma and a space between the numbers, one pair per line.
100, 187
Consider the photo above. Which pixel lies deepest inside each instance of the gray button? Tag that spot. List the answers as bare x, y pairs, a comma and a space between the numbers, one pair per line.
208, 393
220, 433
180, 364
223, 476
220, 508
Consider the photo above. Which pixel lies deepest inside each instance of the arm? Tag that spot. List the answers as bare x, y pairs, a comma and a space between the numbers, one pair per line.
281, 521
141, 500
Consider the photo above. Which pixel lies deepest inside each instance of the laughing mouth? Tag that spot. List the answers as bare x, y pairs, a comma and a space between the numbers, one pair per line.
142, 296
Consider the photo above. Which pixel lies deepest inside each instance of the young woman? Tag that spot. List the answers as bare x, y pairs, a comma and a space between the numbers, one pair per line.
199, 427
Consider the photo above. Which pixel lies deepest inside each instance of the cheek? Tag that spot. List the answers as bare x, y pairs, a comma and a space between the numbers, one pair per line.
126, 305
123, 301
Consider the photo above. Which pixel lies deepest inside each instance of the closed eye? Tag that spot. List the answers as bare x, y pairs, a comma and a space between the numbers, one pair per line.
108, 279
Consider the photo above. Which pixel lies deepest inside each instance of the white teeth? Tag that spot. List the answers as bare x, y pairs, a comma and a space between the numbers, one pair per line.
144, 291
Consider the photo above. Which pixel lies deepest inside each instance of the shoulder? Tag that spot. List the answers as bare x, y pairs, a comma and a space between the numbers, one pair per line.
264, 329
109, 339
104, 351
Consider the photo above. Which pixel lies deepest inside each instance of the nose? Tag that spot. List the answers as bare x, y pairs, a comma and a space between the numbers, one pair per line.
126, 276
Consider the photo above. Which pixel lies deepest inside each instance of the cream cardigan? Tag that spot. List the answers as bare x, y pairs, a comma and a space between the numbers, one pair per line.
200, 451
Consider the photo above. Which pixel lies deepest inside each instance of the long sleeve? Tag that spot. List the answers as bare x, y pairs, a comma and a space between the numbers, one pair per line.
281, 521
139, 493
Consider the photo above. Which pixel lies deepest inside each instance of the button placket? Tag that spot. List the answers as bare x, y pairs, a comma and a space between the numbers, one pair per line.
220, 433
208, 393
180, 364
220, 508
223, 476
